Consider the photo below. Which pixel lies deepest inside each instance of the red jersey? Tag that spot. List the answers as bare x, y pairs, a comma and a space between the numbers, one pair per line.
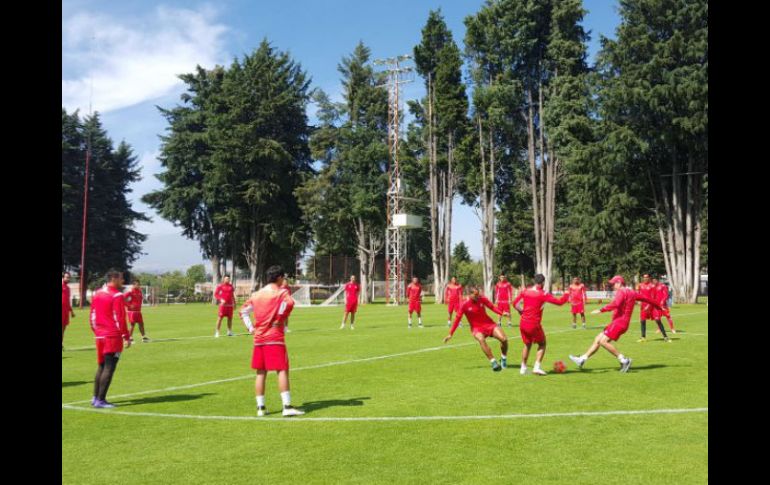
413, 292
503, 291
65, 298
647, 290
351, 292
661, 294
577, 294
108, 313
475, 313
271, 306
225, 292
453, 292
133, 299
622, 305
534, 301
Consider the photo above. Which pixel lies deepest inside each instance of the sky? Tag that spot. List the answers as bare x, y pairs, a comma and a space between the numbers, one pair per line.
122, 59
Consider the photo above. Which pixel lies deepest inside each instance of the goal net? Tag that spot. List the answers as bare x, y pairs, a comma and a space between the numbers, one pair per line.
306, 295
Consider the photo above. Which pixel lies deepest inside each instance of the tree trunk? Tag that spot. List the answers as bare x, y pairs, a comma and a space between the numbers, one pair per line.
533, 177
435, 243
216, 275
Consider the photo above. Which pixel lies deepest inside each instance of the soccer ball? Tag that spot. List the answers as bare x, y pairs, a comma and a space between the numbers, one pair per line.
559, 367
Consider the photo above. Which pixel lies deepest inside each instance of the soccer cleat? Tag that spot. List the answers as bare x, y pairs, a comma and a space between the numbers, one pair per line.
103, 404
342, 327
351, 326
574, 326
523, 371
410, 326
624, 366
292, 411
131, 339
673, 331
667, 340
503, 362
216, 334
93, 401
145, 339
539, 372
577, 360
229, 333
288, 330
420, 325
500, 324
496, 367
641, 340
261, 411
584, 326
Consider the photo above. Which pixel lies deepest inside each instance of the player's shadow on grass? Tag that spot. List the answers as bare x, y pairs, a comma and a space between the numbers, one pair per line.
74, 383
311, 406
162, 399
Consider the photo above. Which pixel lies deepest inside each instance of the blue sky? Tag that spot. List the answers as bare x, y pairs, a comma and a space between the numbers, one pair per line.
129, 54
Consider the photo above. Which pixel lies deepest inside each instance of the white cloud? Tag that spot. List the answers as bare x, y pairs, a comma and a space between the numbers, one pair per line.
131, 61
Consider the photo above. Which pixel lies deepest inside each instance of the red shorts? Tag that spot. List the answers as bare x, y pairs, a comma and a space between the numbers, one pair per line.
615, 329
270, 357
226, 311
646, 313
65, 318
658, 314
135, 317
578, 308
504, 306
414, 306
531, 333
351, 306
485, 330
453, 306
108, 345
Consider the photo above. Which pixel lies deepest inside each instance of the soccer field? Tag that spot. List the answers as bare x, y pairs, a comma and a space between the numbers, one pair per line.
388, 405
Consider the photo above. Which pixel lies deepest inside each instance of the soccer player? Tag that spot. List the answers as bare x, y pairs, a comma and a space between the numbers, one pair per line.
133, 299
482, 326
66, 305
503, 297
225, 295
414, 295
622, 307
351, 302
530, 327
108, 322
648, 290
453, 295
271, 307
577, 299
661, 291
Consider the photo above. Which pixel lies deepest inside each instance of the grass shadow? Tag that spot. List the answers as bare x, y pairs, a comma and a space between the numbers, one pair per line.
311, 406
162, 399
75, 383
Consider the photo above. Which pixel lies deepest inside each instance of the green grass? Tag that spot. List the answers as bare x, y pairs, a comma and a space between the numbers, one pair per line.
454, 380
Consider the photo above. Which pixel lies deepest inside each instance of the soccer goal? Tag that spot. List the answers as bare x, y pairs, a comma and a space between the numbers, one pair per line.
306, 295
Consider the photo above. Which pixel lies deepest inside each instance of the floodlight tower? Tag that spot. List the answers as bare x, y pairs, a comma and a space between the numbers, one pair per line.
398, 221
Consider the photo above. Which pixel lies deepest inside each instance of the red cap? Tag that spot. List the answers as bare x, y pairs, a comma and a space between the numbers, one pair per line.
617, 279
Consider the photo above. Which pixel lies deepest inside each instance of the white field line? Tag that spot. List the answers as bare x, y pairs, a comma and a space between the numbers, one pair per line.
317, 366
398, 418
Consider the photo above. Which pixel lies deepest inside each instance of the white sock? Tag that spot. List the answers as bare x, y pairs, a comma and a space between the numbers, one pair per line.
286, 398
621, 358
492, 360
537, 365
503, 356
584, 357
261, 401
419, 320
410, 320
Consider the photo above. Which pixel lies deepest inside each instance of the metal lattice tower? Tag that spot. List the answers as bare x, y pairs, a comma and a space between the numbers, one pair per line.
395, 237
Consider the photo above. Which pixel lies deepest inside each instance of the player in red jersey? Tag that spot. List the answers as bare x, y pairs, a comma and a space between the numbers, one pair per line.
577, 299
482, 326
133, 299
622, 307
108, 322
453, 295
225, 295
352, 289
534, 300
503, 298
66, 305
271, 306
648, 290
661, 292
414, 295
